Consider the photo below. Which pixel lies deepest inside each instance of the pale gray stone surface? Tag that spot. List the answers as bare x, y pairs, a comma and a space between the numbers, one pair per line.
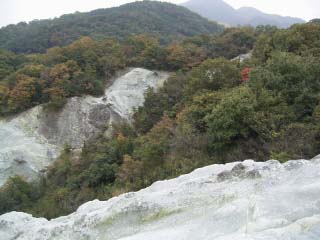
32, 140
278, 202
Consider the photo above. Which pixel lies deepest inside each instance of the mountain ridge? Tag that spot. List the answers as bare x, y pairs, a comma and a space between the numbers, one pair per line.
164, 20
222, 12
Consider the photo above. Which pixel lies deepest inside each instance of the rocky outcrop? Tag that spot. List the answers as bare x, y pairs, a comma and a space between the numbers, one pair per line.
242, 57
32, 140
236, 201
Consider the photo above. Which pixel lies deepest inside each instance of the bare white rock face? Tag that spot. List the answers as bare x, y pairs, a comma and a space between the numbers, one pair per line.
236, 201
242, 57
32, 140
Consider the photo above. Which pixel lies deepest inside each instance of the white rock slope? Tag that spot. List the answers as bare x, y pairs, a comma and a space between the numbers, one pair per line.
32, 140
237, 201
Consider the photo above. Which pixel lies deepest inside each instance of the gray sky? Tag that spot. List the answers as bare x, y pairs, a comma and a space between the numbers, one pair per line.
14, 11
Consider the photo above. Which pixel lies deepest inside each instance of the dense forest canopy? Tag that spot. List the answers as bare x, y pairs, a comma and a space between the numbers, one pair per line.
85, 66
207, 112
162, 20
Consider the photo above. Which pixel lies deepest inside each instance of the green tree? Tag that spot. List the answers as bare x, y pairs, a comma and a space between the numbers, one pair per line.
157, 103
4, 95
25, 94
111, 58
16, 195
242, 114
214, 75
294, 77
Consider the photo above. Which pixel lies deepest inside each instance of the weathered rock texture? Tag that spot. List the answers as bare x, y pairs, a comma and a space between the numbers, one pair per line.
236, 201
30, 141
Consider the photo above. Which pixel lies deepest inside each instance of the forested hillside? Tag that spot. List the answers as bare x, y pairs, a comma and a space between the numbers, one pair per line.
162, 20
211, 110
85, 66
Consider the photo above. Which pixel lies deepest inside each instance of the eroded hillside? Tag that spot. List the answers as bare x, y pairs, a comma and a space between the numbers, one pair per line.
31, 141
